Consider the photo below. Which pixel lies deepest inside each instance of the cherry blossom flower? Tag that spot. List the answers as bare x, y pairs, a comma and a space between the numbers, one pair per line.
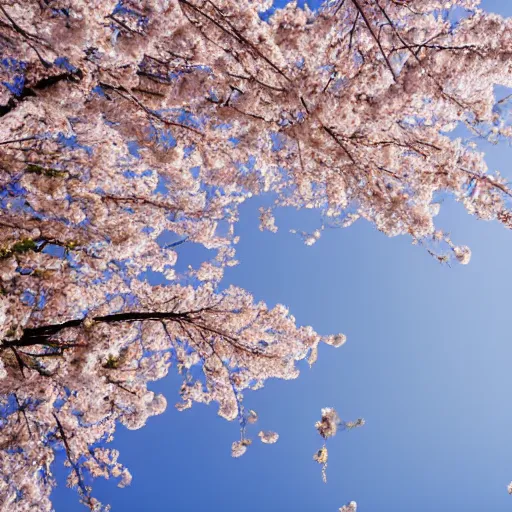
268, 437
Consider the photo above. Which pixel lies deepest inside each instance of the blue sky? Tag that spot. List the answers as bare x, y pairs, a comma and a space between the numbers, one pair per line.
427, 364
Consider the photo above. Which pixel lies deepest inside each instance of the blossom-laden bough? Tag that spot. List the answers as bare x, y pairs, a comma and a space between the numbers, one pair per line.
67, 384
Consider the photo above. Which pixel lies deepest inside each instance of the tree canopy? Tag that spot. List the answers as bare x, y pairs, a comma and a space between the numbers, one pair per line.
129, 128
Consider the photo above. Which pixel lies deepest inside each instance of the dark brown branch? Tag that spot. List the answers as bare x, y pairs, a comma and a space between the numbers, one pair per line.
121, 386
235, 33
22, 409
352, 30
19, 360
13, 141
338, 141
372, 32
339, 8
124, 93
75, 467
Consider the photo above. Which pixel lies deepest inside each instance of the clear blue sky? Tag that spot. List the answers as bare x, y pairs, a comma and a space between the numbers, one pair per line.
427, 364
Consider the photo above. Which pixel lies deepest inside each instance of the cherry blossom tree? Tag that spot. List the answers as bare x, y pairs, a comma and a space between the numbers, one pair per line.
132, 127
